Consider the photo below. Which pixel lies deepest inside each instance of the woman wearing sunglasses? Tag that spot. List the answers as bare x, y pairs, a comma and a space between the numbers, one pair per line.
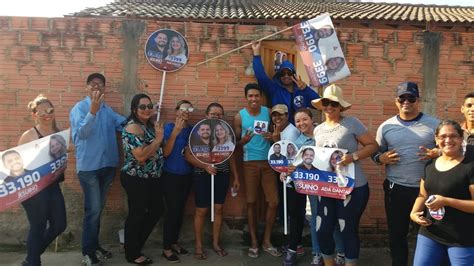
344, 132
177, 179
140, 176
46, 211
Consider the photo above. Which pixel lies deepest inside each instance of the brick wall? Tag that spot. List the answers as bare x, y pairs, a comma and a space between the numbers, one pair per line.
54, 57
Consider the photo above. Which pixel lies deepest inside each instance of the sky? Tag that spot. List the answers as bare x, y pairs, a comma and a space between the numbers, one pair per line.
58, 8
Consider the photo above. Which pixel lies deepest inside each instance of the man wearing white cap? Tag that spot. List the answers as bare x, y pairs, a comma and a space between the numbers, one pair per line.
400, 138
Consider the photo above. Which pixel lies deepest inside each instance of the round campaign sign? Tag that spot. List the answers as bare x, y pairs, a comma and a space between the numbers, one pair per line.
212, 141
166, 50
438, 214
281, 154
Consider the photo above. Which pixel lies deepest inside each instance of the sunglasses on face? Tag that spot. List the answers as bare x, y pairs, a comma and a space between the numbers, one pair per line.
327, 102
410, 99
186, 109
286, 73
48, 111
150, 106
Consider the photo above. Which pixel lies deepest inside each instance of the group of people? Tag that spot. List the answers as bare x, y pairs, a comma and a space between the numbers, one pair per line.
158, 171
403, 144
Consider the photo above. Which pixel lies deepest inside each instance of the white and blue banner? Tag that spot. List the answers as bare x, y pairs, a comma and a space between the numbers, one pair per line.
27, 169
318, 172
321, 51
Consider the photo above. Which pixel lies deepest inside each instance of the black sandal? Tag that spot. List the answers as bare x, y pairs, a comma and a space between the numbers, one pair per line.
181, 251
172, 258
146, 261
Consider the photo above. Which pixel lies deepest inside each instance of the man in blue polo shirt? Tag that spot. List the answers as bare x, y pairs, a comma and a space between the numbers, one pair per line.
94, 125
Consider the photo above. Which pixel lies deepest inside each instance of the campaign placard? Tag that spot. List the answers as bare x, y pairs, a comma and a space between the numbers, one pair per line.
318, 172
320, 51
27, 169
167, 50
282, 154
212, 141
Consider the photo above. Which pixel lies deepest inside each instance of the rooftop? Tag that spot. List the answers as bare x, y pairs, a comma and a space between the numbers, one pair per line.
224, 10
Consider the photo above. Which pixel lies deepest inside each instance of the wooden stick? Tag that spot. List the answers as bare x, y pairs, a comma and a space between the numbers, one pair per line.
285, 210
161, 96
238, 48
212, 196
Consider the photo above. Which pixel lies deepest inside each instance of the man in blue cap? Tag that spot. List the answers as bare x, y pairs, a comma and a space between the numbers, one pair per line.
285, 87
400, 138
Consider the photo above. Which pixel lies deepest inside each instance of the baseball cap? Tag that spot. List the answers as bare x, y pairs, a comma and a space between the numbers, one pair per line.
407, 88
95, 75
280, 108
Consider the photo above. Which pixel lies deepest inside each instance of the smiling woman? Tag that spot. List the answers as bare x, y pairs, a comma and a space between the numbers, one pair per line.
46, 210
445, 204
140, 176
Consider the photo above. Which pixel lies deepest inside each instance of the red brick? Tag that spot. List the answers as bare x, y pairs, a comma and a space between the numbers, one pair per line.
40, 54
8, 38
19, 23
19, 53
51, 39
81, 55
40, 24
71, 40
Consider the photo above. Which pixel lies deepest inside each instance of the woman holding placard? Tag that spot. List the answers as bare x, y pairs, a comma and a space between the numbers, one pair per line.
304, 123
46, 210
140, 176
445, 205
177, 178
202, 185
338, 131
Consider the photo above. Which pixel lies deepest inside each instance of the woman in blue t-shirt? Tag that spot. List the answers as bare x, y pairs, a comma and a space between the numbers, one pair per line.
177, 179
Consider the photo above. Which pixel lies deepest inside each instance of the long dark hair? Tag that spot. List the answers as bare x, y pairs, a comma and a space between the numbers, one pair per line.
134, 107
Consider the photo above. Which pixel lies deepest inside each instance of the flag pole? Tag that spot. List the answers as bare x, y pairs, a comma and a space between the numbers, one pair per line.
245, 45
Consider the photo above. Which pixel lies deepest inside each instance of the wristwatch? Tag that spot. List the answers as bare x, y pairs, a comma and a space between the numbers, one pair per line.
355, 157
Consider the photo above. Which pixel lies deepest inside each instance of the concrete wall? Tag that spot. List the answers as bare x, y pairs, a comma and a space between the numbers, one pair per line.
54, 57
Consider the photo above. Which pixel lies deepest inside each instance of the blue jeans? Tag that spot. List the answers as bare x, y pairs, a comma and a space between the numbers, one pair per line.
95, 185
313, 200
46, 214
332, 211
430, 252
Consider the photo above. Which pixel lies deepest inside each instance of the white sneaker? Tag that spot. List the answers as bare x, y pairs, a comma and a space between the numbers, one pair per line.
317, 260
89, 261
340, 259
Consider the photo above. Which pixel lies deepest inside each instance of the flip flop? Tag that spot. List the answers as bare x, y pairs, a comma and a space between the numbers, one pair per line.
272, 251
221, 252
200, 256
253, 253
